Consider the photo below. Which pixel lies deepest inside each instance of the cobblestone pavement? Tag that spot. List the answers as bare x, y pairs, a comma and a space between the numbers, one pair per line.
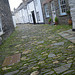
37, 50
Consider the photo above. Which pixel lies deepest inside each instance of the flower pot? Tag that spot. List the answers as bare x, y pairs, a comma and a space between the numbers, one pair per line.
70, 22
56, 23
49, 22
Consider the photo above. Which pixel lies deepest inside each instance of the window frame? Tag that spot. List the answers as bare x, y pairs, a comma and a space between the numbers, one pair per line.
61, 13
46, 10
38, 16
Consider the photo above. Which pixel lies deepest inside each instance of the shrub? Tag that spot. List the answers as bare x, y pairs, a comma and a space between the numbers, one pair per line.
50, 19
56, 19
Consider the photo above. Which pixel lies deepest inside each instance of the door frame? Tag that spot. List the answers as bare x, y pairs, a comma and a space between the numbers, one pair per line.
53, 10
33, 16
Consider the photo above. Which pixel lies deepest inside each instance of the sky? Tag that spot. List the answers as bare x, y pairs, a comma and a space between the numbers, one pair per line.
14, 4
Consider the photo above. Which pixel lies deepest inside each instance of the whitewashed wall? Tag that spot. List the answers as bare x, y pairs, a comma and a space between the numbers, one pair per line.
72, 9
25, 15
30, 8
22, 16
38, 8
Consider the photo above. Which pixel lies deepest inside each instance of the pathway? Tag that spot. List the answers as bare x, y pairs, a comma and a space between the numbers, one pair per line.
37, 50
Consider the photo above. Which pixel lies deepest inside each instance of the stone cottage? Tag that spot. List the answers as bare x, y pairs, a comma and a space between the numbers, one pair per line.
6, 23
55, 8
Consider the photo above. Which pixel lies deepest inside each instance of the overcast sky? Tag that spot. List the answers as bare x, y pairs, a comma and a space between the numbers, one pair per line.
14, 3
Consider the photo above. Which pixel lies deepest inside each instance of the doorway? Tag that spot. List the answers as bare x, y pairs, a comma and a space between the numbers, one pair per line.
33, 16
53, 11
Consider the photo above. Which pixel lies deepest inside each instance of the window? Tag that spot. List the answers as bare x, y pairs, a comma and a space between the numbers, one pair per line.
46, 10
62, 6
1, 32
36, 2
38, 17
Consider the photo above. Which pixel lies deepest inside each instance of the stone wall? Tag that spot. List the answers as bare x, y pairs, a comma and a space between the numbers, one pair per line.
62, 19
72, 9
6, 18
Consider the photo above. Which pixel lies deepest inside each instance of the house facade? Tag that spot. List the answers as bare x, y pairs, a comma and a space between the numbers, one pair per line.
29, 11
6, 23
55, 8
72, 10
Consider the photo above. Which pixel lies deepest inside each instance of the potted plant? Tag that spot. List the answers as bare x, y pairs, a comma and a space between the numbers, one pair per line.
49, 20
69, 20
56, 21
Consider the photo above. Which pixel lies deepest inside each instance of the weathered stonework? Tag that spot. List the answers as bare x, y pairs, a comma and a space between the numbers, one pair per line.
62, 19
6, 19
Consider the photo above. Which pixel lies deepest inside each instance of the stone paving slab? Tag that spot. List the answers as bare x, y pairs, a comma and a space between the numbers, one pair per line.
59, 43
51, 55
11, 73
11, 59
62, 68
69, 34
68, 72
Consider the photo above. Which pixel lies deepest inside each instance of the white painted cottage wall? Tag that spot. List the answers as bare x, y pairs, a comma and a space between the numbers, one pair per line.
39, 9
72, 9
22, 16
30, 8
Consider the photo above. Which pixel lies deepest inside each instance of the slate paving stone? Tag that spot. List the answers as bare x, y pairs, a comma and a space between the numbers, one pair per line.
35, 73
67, 72
23, 37
46, 71
49, 73
11, 73
69, 34
62, 68
26, 52
40, 42
60, 43
51, 55
10, 60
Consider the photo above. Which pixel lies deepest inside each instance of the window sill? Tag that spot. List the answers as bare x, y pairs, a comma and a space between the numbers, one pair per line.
62, 15
47, 17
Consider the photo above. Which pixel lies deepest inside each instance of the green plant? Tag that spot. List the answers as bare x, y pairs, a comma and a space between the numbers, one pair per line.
68, 12
56, 19
50, 19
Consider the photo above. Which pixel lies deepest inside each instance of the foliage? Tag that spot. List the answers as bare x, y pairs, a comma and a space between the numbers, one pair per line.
68, 12
50, 19
56, 19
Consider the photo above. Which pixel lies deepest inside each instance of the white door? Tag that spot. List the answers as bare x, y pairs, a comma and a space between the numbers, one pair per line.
53, 11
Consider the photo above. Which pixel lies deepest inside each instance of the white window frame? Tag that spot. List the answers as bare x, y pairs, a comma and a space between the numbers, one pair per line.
1, 31
38, 16
62, 13
46, 10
